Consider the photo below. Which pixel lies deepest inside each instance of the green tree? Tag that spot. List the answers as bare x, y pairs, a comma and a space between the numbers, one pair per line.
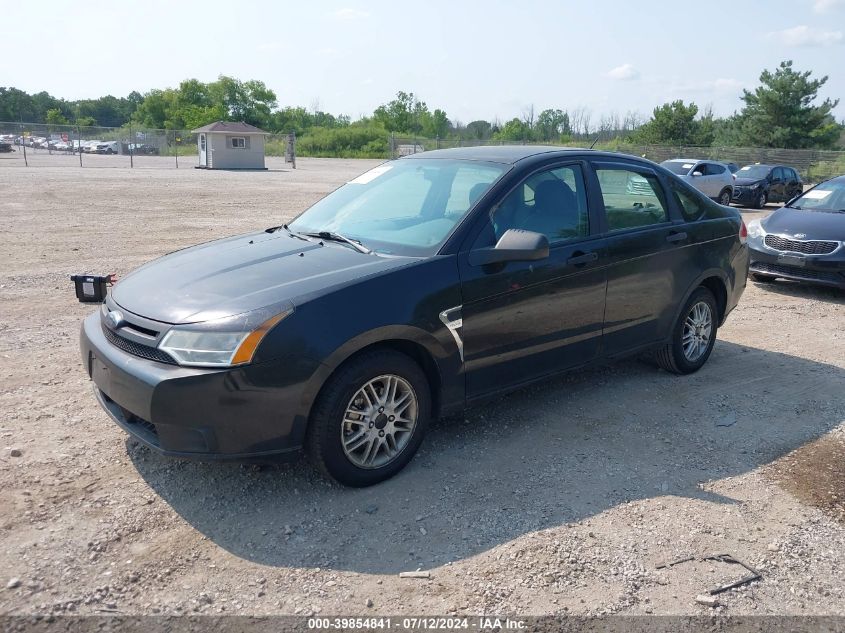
781, 111
514, 130
55, 117
674, 124
552, 124
480, 129
408, 115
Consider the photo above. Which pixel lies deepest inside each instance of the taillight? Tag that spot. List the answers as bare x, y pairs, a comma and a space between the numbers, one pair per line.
743, 232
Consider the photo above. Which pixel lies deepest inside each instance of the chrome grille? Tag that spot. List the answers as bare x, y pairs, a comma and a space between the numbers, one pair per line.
808, 247
137, 349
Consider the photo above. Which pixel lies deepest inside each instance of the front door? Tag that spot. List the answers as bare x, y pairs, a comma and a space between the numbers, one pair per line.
203, 151
524, 320
777, 190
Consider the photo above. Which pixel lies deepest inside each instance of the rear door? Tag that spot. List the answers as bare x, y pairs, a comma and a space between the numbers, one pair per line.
525, 320
648, 264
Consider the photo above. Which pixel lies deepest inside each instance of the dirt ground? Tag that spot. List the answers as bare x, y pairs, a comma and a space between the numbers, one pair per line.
557, 499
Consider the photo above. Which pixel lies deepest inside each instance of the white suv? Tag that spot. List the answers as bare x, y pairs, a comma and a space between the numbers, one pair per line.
710, 177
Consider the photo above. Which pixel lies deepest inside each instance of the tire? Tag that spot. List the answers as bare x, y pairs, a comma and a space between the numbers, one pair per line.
332, 426
763, 279
673, 357
761, 200
725, 197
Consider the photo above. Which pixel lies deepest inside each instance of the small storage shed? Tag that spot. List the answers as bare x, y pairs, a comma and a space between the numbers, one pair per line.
230, 145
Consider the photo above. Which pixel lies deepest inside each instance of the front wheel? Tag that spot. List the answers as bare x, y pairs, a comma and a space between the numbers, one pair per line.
693, 336
725, 197
370, 418
761, 200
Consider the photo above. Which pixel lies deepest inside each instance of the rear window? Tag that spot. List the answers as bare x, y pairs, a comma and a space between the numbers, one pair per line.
680, 168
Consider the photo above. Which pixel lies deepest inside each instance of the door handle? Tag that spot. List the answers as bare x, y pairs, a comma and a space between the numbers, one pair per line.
677, 237
580, 260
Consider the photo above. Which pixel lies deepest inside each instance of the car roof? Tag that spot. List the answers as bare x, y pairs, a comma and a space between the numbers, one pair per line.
511, 154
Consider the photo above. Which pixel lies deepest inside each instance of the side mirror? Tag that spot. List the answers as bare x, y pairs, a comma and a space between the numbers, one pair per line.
515, 245
697, 173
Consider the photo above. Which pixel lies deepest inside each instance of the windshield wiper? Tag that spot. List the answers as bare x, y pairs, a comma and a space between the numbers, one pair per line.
273, 229
337, 237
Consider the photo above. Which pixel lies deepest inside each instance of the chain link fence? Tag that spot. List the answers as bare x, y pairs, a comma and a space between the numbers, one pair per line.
45, 145
813, 165
37, 144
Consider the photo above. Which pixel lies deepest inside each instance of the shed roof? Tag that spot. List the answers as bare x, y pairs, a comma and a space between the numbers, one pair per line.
230, 127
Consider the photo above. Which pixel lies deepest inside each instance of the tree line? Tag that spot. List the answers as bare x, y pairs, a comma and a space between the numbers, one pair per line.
784, 110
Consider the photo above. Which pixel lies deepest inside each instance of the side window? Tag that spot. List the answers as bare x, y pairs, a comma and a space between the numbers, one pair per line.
714, 170
690, 202
552, 202
631, 199
777, 174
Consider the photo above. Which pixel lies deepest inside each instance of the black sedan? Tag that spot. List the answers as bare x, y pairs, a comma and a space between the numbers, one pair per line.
422, 286
757, 185
805, 240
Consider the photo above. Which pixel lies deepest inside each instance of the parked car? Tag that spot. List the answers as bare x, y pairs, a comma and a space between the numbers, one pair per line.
90, 147
422, 286
804, 240
107, 147
143, 149
5, 147
757, 185
711, 178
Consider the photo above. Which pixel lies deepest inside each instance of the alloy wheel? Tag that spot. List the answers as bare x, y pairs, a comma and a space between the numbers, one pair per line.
379, 421
698, 328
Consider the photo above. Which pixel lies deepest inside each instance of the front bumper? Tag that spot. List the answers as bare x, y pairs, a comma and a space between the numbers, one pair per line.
826, 270
745, 196
246, 412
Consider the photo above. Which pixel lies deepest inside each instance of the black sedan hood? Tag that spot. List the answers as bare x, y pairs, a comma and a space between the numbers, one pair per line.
747, 182
238, 274
814, 225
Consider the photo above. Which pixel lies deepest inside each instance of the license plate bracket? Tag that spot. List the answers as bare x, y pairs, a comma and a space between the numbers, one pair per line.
792, 260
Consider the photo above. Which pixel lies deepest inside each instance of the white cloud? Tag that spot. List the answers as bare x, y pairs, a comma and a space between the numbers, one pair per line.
348, 13
823, 6
803, 35
625, 72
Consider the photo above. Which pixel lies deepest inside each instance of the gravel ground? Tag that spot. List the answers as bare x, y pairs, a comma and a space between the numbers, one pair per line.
558, 499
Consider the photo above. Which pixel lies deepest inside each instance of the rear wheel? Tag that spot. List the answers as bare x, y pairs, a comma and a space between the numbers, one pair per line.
725, 197
693, 336
370, 418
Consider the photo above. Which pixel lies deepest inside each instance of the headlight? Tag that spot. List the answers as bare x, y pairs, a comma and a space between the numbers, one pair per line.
755, 229
218, 344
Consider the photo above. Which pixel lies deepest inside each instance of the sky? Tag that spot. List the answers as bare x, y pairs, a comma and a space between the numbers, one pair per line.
474, 59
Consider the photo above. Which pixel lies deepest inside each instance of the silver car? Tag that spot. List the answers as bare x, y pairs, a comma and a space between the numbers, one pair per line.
711, 178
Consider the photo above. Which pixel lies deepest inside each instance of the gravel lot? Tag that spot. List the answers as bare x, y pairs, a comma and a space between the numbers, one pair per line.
561, 498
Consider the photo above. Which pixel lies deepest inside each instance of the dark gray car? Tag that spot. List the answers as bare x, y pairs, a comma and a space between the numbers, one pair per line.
417, 289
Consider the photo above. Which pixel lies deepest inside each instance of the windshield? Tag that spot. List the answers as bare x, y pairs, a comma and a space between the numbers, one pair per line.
679, 167
828, 196
757, 172
403, 207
